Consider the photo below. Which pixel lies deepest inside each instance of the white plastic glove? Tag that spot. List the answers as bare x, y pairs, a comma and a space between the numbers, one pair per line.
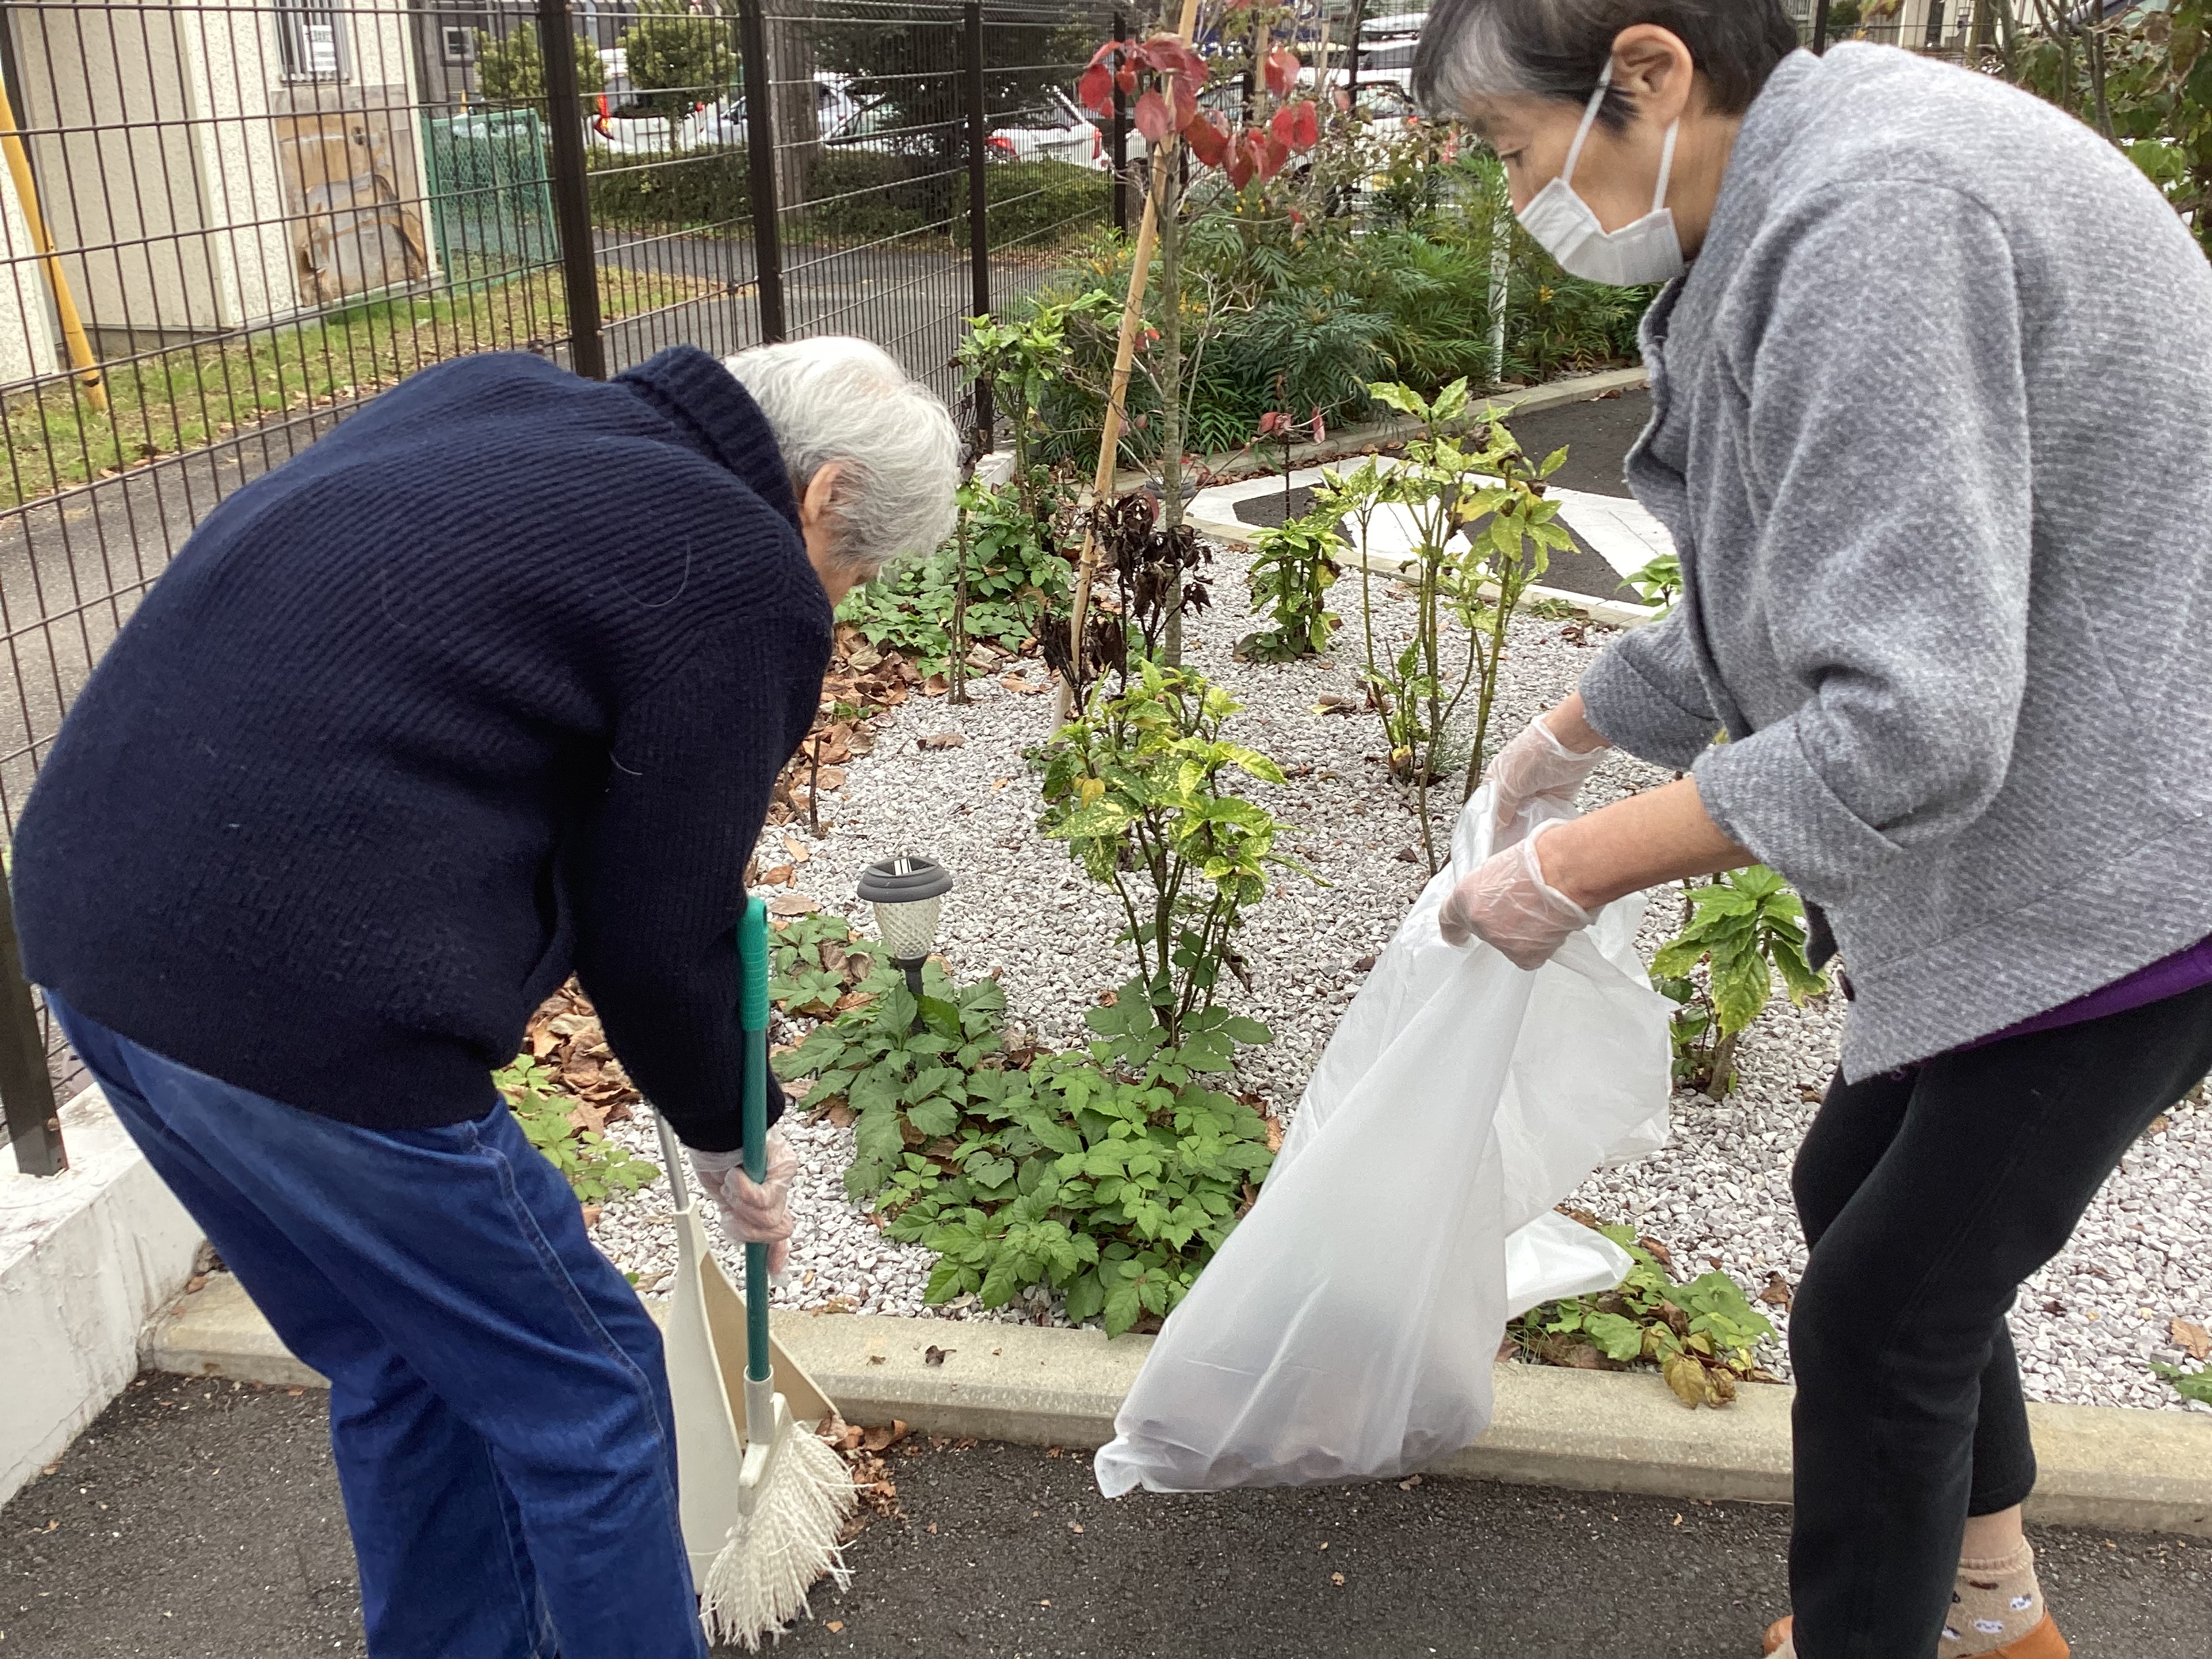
1506, 902
752, 1212
1535, 766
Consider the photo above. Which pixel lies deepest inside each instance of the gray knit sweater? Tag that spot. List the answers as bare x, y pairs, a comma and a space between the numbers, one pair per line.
1933, 430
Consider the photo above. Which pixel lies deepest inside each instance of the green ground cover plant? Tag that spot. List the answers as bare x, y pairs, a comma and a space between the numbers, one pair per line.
596, 1167
1702, 1335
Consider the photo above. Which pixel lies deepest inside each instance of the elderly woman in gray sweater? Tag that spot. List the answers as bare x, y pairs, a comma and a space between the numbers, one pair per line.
1932, 428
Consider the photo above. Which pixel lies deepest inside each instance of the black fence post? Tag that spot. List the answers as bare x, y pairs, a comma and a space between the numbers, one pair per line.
572, 202
760, 154
1120, 138
979, 203
27, 1088
1820, 26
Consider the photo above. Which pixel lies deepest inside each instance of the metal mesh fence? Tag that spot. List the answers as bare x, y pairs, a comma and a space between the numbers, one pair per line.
223, 226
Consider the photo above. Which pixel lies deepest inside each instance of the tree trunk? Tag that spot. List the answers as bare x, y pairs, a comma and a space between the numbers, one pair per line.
1171, 381
793, 115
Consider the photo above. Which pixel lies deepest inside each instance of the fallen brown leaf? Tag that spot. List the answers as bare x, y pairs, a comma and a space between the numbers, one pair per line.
791, 904
2191, 1338
943, 740
883, 1436
834, 1625
1336, 1579
780, 875
1778, 1293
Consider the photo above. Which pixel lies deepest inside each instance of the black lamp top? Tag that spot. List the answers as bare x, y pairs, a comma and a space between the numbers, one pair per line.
907, 879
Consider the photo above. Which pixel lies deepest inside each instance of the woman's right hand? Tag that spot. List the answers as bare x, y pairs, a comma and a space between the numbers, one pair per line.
1549, 761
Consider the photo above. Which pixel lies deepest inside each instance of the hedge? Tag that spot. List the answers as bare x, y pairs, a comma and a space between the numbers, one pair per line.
855, 195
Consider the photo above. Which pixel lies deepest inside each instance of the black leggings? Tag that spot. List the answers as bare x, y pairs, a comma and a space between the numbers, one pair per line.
1927, 1196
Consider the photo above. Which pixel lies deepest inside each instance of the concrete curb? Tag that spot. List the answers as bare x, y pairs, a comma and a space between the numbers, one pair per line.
86, 1257
2130, 1471
1225, 465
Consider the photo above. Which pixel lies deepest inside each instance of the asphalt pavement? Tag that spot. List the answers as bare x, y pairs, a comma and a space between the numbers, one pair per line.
201, 1520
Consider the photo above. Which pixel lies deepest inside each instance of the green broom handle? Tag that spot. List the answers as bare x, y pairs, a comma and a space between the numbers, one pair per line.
752, 1016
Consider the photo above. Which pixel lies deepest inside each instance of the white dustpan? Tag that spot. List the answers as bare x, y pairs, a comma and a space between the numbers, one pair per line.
705, 1344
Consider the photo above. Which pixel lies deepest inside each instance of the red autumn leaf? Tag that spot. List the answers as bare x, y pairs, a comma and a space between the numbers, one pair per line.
1151, 117
1243, 161
1272, 422
1185, 103
1305, 124
1096, 89
1125, 78
1279, 124
1105, 52
1319, 427
1282, 70
1208, 140
1276, 153
1171, 57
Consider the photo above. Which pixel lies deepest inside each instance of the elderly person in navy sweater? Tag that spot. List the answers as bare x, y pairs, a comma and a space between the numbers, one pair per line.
1931, 386
488, 687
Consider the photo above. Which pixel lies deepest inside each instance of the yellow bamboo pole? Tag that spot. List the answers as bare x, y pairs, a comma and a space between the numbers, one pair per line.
81, 356
1125, 356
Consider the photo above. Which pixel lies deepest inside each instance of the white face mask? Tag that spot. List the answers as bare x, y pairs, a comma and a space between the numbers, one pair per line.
1647, 251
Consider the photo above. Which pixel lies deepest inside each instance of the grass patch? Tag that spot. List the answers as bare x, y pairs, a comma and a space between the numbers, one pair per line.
192, 395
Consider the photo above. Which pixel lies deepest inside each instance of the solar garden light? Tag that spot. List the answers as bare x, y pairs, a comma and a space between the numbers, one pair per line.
908, 893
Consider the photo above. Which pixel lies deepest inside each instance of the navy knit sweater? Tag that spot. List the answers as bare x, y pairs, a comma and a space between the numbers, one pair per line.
491, 684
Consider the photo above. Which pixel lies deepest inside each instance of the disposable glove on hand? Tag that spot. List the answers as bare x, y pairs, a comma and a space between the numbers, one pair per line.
1506, 902
753, 1213
1536, 765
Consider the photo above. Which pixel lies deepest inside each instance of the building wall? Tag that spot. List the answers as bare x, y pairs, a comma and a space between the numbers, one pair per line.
197, 184
26, 321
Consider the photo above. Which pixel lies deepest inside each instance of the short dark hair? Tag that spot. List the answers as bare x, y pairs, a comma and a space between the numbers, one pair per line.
1559, 48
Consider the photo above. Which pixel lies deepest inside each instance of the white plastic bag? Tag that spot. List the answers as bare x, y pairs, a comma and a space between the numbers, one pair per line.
1347, 1327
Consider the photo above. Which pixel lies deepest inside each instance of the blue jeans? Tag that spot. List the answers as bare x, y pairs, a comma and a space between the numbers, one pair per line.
498, 1408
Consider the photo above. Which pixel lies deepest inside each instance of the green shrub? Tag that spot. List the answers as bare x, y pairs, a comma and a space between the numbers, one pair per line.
1139, 786
853, 196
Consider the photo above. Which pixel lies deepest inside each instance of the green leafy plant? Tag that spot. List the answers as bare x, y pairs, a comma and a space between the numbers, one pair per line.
2195, 1385
1482, 532
814, 962
903, 1064
1110, 1174
1702, 1335
1744, 930
511, 69
1139, 785
2140, 76
1659, 581
1293, 567
1015, 577
595, 1167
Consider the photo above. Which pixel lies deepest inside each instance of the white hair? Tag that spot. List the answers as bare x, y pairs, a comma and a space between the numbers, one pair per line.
834, 399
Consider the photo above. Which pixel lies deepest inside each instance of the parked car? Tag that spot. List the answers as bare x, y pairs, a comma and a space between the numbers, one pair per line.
1051, 128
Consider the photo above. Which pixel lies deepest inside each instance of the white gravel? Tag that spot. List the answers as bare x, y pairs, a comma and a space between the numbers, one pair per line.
1717, 1195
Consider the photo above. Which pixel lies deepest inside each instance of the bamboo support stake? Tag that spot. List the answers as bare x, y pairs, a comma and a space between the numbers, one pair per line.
81, 360
1161, 156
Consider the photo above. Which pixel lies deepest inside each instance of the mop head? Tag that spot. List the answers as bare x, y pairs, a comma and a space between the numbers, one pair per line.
789, 1540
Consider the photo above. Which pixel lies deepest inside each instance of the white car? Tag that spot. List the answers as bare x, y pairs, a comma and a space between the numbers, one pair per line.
1053, 128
